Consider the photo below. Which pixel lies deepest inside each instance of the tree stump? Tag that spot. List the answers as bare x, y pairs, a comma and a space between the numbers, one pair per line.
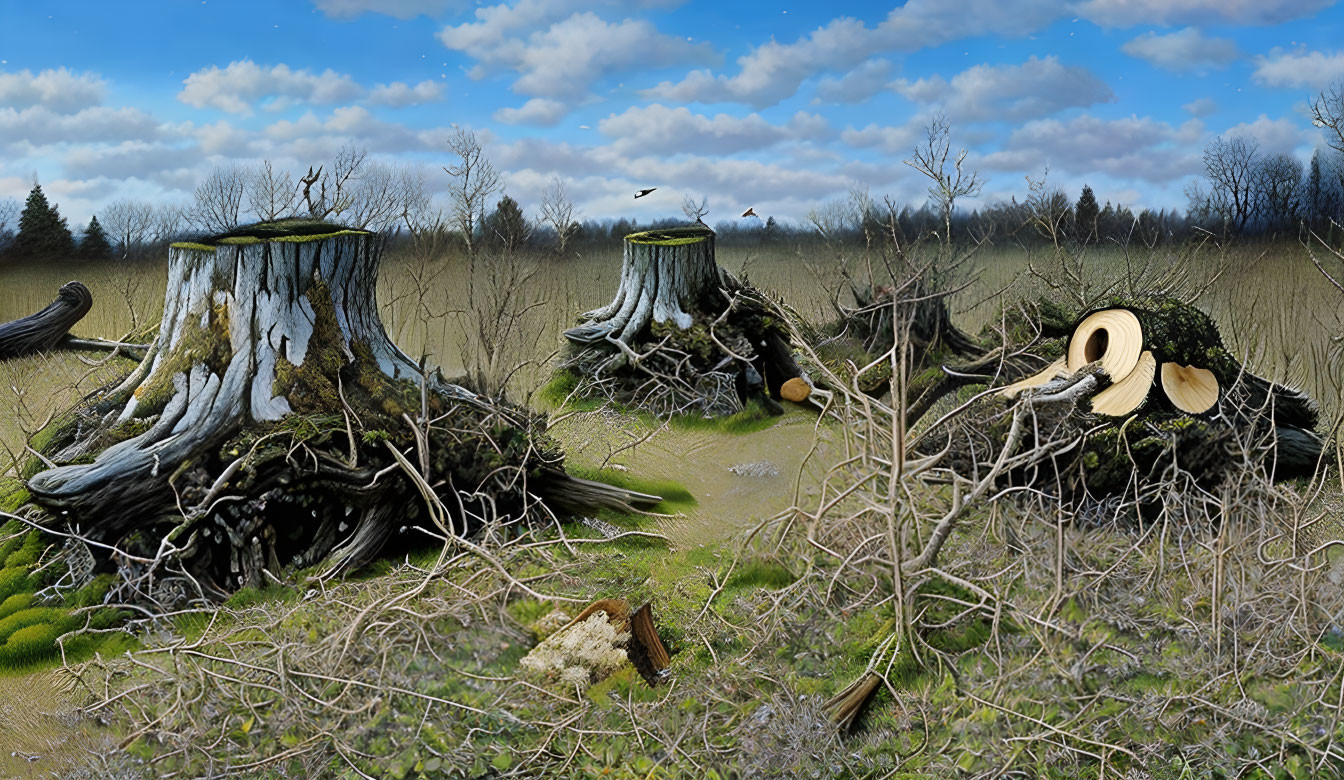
273, 422
682, 334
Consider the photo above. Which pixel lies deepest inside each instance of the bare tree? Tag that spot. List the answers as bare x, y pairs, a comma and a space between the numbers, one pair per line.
219, 199
383, 195
1230, 164
271, 194
1327, 112
328, 191
169, 222
693, 210
9, 215
474, 181
1278, 190
558, 211
930, 159
130, 224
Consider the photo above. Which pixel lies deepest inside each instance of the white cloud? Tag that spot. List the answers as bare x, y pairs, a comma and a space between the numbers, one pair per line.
1299, 69
1126, 13
1273, 135
1201, 107
774, 71
1130, 148
60, 90
658, 129
1037, 87
892, 140
40, 126
537, 111
1186, 49
399, 94
236, 87
558, 54
857, 85
401, 9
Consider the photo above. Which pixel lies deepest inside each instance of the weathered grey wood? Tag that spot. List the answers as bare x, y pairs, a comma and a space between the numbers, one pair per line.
665, 275
45, 330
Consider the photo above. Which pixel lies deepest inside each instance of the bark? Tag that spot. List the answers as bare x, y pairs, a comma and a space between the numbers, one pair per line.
665, 275
683, 335
273, 420
44, 330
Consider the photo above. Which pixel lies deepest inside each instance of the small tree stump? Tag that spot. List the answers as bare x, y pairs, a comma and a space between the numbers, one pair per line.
681, 334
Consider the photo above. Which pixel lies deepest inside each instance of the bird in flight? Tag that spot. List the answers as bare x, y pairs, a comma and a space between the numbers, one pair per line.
642, 193
751, 212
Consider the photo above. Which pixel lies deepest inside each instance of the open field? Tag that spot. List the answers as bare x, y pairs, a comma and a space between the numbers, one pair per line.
1204, 645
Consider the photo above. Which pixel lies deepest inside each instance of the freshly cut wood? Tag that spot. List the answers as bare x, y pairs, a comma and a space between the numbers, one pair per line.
1055, 370
44, 330
796, 390
1129, 394
1113, 336
1190, 389
646, 649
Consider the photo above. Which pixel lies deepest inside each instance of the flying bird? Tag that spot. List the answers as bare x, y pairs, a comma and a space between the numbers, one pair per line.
642, 193
751, 212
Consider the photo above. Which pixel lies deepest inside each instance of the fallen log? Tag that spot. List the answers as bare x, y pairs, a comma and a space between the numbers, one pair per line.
49, 328
45, 330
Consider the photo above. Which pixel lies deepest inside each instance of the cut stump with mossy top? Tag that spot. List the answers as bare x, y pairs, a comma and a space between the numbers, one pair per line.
274, 423
684, 336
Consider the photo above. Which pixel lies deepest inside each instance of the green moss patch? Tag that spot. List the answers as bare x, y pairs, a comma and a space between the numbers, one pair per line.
671, 236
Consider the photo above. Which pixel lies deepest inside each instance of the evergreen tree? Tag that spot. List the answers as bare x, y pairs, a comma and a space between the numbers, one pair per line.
1085, 215
506, 226
93, 245
43, 232
1319, 208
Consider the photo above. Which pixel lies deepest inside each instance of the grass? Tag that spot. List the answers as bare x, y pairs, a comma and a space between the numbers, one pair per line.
1117, 641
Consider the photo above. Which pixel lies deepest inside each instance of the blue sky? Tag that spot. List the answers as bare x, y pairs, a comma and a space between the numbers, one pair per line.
776, 105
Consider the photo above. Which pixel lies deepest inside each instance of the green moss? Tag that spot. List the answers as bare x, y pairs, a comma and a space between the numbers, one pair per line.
12, 495
193, 246
671, 236
754, 417
239, 241
676, 498
761, 574
209, 345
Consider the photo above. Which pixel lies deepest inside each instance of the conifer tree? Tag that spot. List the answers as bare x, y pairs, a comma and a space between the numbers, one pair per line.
1085, 215
43, 232
94, 244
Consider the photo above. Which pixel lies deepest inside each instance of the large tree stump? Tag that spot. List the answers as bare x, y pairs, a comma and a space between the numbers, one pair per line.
682, 335
273, 420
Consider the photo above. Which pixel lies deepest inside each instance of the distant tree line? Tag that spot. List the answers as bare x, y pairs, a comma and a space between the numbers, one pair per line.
1244, 192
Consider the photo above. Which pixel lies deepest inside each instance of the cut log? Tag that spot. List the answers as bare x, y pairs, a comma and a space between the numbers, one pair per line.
1130, 393
44, 330
682, 335
273, 422
1190, 389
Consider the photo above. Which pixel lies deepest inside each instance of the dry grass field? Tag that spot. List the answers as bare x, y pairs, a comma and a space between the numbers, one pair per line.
1207, 645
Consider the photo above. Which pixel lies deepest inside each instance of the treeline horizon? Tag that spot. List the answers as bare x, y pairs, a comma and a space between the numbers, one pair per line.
1244, 194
